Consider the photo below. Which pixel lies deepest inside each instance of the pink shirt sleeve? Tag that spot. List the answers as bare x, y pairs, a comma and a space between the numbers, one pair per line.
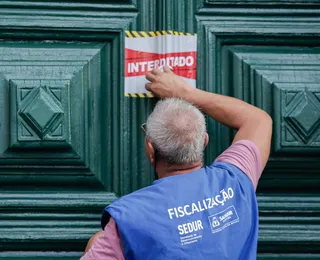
246, 156
108, 246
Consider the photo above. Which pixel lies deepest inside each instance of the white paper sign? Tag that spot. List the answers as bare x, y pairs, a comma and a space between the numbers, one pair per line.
145, 51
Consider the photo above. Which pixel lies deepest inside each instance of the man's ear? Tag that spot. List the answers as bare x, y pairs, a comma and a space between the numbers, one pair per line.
150, 151
206, 141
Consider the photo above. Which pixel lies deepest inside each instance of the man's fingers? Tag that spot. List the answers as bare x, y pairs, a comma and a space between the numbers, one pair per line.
167, 69
156, 71
148, 86
151, 77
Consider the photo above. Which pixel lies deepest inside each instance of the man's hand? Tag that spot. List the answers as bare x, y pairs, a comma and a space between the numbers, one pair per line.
165, 84
251, 122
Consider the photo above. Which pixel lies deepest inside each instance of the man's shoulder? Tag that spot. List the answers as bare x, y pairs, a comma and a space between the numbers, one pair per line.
223, 173
140, 193
224, 168
244, 155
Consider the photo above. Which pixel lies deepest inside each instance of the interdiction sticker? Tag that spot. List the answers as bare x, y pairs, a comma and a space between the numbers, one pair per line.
145, 51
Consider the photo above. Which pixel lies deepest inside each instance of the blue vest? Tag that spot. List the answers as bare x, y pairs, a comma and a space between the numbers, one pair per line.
210, 213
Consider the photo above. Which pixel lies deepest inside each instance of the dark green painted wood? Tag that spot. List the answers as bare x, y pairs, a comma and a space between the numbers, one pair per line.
233, 74
70, 143
288, 3
54, 183
50, 221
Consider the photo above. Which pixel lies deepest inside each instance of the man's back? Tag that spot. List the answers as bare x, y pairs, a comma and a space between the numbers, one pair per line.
209, 213
191, 212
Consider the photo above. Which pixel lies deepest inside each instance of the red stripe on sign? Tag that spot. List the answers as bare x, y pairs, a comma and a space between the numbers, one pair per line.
138, 63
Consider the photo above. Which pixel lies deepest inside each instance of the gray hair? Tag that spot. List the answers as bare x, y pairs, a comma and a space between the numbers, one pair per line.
177, 130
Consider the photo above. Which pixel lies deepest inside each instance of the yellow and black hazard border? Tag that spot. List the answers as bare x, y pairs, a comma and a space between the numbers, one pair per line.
143, 34
139, 95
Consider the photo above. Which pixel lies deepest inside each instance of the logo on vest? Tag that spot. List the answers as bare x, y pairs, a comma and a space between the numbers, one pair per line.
215, 222
223, 219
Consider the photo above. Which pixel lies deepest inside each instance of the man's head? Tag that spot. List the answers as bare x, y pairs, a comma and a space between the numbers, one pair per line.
176, 133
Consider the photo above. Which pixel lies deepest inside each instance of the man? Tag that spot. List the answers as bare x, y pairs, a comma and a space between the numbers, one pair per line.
191, 211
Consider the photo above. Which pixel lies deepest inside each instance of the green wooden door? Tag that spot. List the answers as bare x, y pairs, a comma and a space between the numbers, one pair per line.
70, 141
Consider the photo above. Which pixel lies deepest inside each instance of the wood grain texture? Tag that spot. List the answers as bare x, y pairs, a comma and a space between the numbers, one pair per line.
68, 59
251, 60
287, 3
51, 221
69, 56
261, 56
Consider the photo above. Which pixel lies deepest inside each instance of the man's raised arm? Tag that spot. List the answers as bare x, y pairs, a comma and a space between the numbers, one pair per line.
252, 123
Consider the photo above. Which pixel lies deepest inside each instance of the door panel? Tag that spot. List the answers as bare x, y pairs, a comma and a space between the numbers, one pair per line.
70, 142
68, 139
271, 61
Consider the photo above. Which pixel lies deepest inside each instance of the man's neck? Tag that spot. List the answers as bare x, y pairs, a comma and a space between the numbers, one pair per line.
164, 170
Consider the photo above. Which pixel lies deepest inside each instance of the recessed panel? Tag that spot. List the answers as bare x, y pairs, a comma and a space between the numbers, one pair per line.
297, 118
260, 2
41, 112
284, 82
38, 76
50, 104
